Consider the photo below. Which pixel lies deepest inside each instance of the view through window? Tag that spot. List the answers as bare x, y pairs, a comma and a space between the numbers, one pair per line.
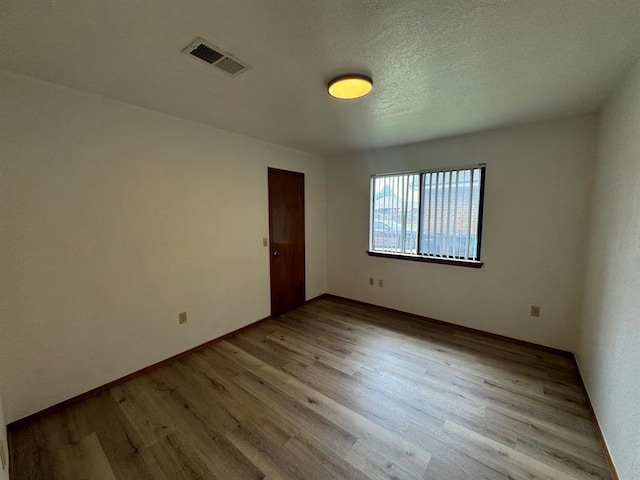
434, 213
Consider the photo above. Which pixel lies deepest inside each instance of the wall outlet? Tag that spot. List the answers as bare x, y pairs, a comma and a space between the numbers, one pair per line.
265, 242
182, 317
380, 283
535, 311
371, 281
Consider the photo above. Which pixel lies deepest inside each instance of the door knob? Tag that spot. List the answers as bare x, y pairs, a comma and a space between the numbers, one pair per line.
276, 253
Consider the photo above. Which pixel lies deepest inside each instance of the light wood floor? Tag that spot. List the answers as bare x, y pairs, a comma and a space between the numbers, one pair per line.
333, 390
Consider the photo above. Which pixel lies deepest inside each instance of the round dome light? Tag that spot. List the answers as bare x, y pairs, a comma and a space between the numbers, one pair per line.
349, 87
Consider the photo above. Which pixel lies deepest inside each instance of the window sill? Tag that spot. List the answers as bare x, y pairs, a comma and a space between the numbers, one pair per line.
419, 258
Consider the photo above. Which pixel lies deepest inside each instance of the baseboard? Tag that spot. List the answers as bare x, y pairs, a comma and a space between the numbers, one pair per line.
603, 442
319, 297
474, 331
95, 391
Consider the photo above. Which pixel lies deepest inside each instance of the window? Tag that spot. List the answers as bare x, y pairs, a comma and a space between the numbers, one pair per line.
433, 215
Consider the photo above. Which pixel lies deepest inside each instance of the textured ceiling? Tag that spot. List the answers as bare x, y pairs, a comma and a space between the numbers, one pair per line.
440, 67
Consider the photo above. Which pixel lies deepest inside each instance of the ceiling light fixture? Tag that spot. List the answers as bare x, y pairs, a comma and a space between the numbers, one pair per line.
349, 87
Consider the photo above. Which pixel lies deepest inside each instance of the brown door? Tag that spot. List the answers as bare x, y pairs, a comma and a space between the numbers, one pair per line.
286, 233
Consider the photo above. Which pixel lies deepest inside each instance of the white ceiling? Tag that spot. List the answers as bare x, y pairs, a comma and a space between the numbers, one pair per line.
440, 67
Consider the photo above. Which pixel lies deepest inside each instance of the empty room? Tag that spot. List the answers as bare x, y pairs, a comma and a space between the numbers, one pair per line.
314, 240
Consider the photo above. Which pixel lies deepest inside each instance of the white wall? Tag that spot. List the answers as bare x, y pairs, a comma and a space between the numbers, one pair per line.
116, 218
609, 352
537, 185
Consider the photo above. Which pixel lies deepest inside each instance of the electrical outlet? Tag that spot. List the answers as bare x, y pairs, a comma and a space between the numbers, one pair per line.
182, 317
265, 242
380, 283
371, 281
535, 311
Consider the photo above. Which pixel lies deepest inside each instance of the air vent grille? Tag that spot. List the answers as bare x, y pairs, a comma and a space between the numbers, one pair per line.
207, 54
215, 57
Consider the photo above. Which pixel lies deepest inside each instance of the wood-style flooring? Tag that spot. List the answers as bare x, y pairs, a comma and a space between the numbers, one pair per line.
332, 390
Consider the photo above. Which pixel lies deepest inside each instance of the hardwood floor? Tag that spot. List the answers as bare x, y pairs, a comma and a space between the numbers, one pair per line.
332, 390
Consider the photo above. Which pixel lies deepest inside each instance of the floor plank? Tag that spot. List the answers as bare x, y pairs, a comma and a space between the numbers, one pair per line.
84, 460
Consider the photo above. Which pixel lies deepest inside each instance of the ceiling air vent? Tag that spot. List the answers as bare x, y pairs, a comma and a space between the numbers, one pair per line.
215, 57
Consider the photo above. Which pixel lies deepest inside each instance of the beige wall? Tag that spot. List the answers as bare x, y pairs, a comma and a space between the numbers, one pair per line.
112, 220
537, 185
609, 347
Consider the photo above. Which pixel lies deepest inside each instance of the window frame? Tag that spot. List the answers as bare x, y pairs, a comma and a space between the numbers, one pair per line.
472, 263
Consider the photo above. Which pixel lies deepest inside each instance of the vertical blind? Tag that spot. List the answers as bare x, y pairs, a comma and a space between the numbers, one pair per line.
435, 213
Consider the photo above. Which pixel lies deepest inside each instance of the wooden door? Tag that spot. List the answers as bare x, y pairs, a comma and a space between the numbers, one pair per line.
286, 233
